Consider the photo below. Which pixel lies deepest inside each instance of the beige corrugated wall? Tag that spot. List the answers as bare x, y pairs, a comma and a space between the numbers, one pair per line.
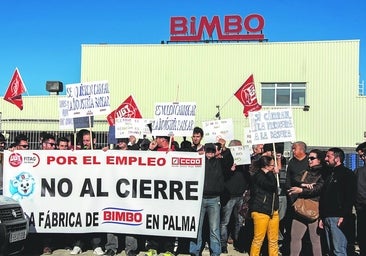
209, 74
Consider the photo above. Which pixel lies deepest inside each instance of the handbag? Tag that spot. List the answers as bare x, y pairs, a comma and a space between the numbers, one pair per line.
306, 207
244, 210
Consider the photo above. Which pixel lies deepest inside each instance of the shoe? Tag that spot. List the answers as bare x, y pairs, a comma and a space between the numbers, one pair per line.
151, 252
47, 251
98, 251
110, 252
224, 250
132, 253
168, 254
230, 240
76, 250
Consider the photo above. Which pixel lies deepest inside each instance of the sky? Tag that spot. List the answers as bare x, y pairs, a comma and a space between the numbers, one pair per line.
43, 38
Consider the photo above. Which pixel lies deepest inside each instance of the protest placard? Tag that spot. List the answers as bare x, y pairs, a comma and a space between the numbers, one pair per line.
87, 99
174, 119
216, 129
125, 127
241, 154
270, 126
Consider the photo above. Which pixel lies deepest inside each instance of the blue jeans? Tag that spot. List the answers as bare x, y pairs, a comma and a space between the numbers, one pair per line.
336, 240
212, 207
232, 206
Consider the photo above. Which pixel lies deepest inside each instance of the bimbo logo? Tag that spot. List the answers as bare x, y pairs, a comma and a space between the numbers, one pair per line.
234, 28
122, 216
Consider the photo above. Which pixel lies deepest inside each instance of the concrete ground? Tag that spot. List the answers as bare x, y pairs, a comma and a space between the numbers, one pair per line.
61, 252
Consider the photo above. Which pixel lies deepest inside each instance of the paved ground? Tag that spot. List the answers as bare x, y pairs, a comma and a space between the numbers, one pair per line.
60, 252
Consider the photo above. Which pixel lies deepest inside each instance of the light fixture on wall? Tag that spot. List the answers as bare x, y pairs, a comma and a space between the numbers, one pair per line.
306, 108
54, 87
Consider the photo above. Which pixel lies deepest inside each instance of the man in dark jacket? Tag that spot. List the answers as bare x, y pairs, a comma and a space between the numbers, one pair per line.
237, 180
360, 203
217, 160
336, 201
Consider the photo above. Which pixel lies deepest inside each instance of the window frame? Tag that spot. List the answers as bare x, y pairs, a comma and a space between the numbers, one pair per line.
281, 87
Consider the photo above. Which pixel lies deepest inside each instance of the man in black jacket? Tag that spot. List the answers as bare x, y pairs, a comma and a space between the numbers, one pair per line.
360, 204
217, 160
336, 201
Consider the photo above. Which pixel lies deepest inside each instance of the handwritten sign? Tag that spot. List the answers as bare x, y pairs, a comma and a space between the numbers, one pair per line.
87, 99
125, 127
241, 154
216, 129
268, 126
174, 119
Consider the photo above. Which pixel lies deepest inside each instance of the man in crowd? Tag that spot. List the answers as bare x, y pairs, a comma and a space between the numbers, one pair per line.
217, 161
360, 204
21, 142
62, 143
297, 164
336, 201
237, 180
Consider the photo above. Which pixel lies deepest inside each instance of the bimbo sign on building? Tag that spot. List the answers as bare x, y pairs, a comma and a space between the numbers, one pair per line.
231, 28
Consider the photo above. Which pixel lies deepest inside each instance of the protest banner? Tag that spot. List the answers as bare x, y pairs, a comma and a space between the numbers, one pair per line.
128, 192
65, 121
87, 99
241, 154
216, 129
247, 137
270, 126
174, 119
125, 127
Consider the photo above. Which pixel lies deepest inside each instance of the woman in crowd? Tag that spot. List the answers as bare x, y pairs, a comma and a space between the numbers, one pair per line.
308, 186
264, 205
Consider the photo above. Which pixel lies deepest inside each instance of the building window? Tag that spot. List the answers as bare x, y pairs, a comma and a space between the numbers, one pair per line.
283, 94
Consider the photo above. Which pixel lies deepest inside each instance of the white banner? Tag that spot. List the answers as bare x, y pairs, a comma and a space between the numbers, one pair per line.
241, 154
87, 99
174, 119
125, 127
269, 126
132, 192
65, 122
216, 129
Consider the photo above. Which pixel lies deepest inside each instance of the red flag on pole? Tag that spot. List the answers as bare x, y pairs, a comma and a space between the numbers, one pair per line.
15, 89
247, 96
127, 109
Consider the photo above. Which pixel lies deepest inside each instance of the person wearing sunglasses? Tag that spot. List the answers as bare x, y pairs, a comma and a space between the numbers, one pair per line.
48, 142
360, 204
308, 184
21, 142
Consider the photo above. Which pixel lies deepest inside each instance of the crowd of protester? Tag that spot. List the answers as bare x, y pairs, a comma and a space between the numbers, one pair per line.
275, 183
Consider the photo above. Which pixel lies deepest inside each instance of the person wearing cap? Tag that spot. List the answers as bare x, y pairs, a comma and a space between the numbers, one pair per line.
217, 160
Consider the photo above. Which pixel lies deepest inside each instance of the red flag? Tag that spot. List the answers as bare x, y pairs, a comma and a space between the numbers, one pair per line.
15, 89
247, 96
127, 109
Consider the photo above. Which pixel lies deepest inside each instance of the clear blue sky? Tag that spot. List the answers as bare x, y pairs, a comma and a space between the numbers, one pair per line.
43, 38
